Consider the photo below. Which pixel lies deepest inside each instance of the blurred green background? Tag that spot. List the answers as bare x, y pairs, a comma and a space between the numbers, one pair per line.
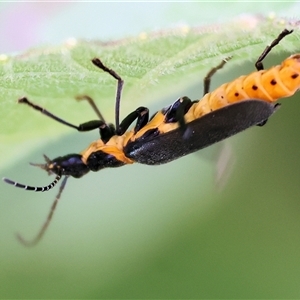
154, 232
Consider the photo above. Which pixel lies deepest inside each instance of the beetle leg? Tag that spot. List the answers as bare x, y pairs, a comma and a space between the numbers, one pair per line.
98, 63
106, 130
142, 116
176, 112
207, 78
46, 113
92, 104
259, 65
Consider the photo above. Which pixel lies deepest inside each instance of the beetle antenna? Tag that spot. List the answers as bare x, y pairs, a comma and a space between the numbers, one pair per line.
34, 188
34, 241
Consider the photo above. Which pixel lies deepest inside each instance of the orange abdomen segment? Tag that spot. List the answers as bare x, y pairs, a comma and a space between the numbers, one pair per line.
235, 91
268, 85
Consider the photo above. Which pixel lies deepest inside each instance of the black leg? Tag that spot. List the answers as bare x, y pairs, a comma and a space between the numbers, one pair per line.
142, 116
45, 112
259, 65
176, 112
97, 62
92, 104
142, 119
207, 78
91, 125
262, 123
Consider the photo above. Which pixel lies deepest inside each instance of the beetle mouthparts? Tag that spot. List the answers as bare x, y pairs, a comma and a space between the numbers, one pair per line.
44, 166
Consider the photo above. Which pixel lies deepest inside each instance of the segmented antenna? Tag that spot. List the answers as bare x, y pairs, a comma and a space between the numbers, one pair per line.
40, 234
43, 229
34, 188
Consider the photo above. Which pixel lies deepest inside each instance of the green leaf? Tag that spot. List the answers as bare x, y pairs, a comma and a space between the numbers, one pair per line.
151, 64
